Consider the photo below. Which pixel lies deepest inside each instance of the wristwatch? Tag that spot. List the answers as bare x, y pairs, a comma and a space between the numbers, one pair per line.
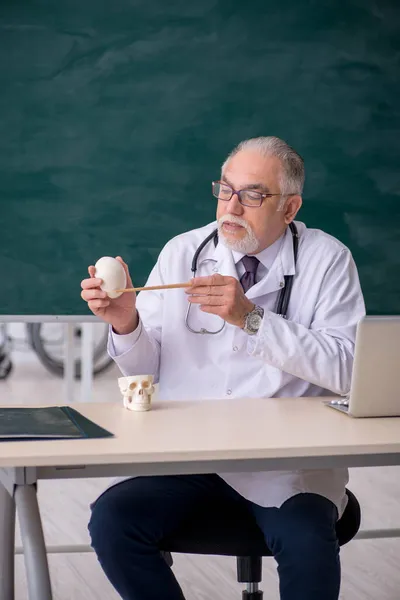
253, 320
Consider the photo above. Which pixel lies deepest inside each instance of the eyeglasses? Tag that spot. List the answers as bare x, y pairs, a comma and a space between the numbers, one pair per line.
251, 198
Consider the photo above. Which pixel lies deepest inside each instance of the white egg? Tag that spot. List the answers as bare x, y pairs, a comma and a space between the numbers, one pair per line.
113, 275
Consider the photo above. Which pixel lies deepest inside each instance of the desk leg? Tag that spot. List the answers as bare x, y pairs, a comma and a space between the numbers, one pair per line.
69, 362
36, 565
87, 361
7, 544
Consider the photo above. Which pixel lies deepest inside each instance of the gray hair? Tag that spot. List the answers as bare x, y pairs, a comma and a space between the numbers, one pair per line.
292, 173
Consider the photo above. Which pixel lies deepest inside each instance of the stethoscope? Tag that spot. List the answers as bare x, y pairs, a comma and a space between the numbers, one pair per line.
284, 294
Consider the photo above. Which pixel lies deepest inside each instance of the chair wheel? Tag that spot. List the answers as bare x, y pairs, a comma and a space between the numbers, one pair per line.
6, 366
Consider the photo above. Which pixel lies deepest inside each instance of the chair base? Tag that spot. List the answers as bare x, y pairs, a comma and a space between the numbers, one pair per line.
252, 595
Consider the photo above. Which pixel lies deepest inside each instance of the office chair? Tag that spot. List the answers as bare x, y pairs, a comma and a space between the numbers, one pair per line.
213, 533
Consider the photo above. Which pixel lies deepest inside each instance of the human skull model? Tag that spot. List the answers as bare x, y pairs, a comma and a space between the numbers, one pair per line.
137, 391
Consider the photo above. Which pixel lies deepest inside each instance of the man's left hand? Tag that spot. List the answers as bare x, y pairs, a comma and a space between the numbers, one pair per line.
222, 296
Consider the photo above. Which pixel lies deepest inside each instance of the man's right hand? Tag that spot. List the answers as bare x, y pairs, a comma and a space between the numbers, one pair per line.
119, 312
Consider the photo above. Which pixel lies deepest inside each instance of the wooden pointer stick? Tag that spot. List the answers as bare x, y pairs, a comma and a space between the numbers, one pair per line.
171, 286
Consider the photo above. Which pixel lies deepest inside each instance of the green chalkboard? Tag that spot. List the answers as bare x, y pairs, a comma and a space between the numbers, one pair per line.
115, 116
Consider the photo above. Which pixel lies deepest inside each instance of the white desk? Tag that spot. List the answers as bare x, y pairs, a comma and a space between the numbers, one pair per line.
182, 437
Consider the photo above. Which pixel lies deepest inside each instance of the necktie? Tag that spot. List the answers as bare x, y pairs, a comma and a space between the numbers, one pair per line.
248, 279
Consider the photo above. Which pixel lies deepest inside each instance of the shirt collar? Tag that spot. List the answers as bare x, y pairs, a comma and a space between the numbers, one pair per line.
266, 257
282, 249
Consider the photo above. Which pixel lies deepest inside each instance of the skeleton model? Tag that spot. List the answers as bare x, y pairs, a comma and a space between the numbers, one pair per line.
137, 391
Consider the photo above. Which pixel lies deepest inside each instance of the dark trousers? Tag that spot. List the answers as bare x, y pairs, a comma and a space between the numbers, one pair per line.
130, 519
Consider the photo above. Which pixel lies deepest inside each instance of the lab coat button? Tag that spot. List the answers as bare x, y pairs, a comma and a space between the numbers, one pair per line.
228, 392
215, 270
235, 348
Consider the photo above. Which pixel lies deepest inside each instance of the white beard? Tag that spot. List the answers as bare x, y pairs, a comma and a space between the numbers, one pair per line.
247, 245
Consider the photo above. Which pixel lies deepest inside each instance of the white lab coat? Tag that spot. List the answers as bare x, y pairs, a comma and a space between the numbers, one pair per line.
310, 354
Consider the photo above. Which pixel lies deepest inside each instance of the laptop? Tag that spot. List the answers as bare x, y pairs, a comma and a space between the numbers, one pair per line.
375, 385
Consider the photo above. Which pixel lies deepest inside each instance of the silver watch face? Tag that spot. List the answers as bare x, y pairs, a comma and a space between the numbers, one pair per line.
254, 322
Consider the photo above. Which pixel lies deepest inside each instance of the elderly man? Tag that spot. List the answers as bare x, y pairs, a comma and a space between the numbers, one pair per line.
263, 348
